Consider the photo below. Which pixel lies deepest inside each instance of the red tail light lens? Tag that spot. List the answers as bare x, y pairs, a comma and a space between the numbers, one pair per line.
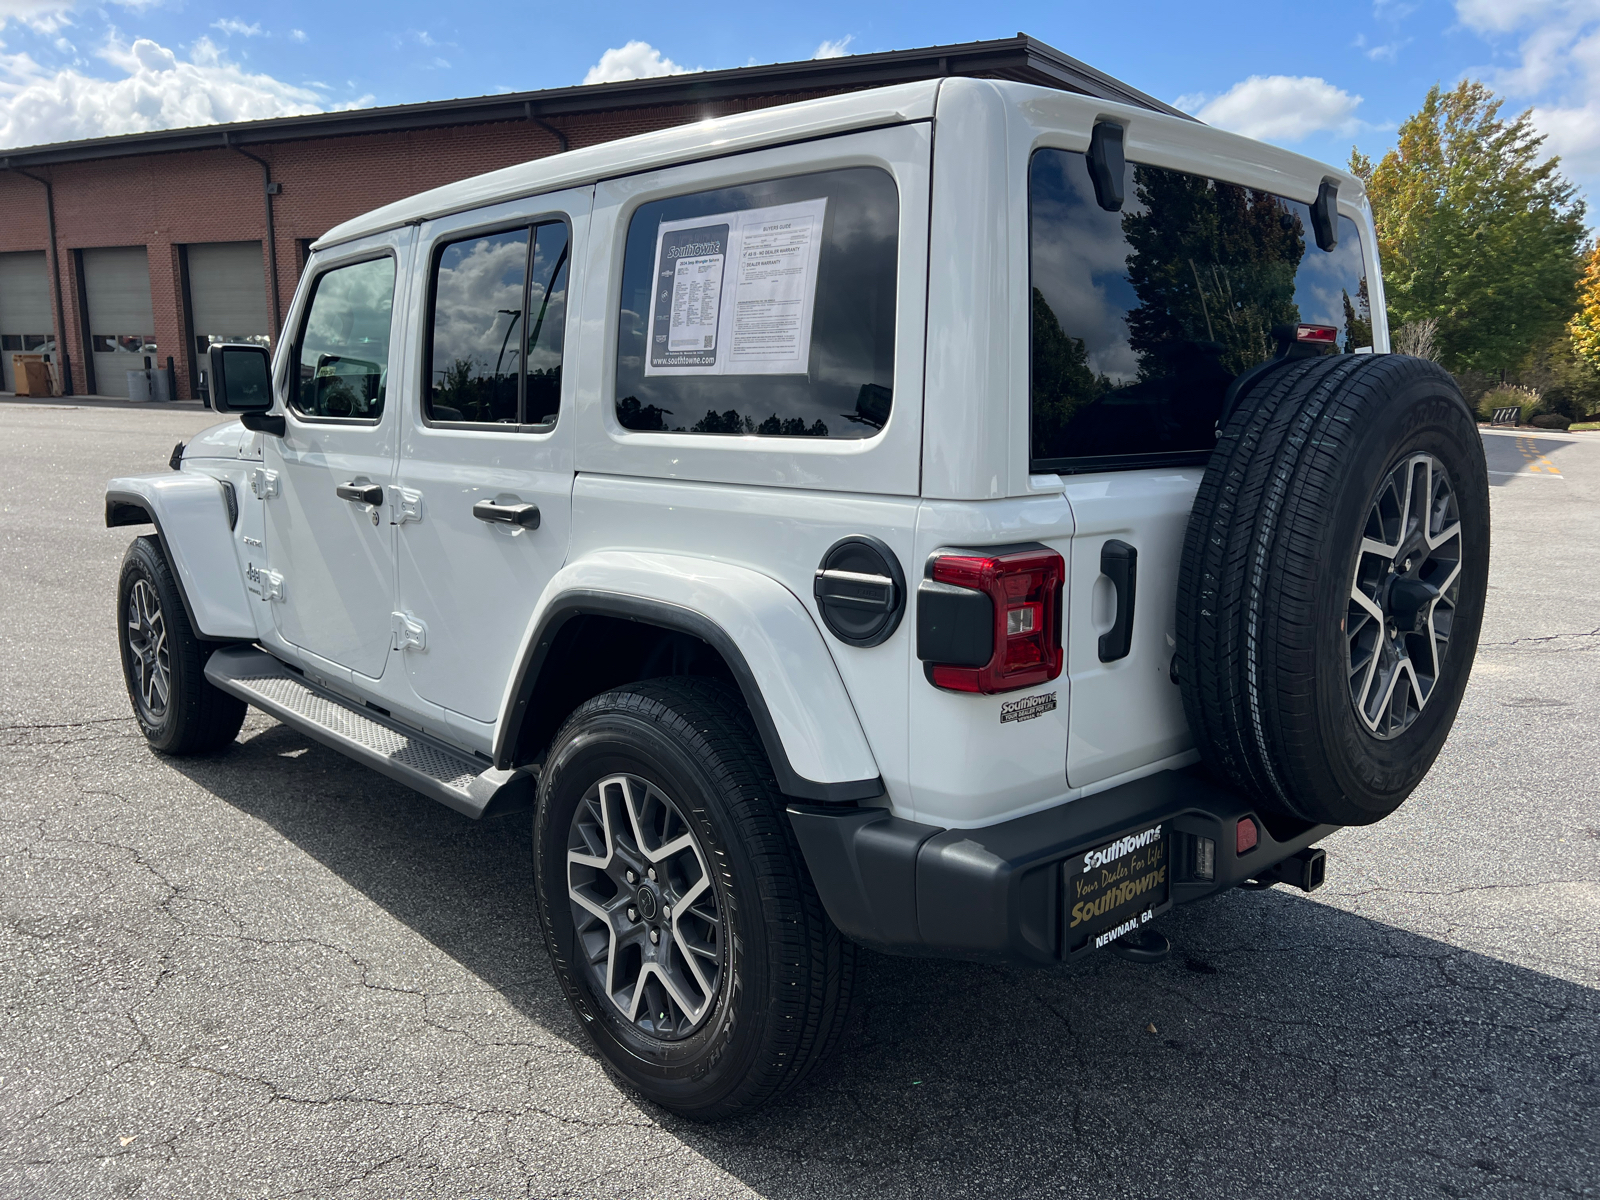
1024, 589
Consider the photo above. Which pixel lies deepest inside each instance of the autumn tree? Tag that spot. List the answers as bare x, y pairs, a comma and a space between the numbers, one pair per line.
1475, 229
1585, 326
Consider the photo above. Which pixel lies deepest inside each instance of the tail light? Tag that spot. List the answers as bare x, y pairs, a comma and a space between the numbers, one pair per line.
1317, 335
991, 623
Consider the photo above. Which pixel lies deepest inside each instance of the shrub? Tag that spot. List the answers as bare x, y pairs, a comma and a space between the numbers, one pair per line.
1549, 421
1504, 396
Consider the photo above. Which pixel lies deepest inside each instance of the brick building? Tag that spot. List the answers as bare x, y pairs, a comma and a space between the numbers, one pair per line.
137, 250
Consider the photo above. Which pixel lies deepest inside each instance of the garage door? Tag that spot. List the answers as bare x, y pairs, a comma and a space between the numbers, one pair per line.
121, 323
227, 295
25, 324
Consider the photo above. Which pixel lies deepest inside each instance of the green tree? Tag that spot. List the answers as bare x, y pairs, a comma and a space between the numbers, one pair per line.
1475, 229
1062, 380
1209, 262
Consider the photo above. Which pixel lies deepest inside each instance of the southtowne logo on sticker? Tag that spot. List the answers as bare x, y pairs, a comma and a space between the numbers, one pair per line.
1027, 708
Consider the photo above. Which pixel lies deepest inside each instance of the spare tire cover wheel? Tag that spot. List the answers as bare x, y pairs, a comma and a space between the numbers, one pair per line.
1333, 584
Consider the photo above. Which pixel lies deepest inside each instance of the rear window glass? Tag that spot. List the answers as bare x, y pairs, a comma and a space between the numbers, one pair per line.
1141, 318
766, 309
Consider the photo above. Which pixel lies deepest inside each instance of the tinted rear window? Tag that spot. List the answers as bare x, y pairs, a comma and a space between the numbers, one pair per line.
766, 309
1141, 318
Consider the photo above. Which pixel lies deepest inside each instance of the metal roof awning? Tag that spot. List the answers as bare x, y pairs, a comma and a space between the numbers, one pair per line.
1022, 59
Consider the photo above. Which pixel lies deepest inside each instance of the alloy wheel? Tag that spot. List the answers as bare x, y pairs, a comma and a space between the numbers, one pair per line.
1403, 596
147, 649
649, 926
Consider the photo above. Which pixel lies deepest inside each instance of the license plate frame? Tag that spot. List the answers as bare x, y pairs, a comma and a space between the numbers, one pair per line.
1115, 887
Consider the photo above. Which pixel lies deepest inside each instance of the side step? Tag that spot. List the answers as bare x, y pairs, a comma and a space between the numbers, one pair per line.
467, 784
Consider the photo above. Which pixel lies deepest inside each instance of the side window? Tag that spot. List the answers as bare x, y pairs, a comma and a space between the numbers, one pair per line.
499, 318
547, 323
343, 352
1142, 318
766, 309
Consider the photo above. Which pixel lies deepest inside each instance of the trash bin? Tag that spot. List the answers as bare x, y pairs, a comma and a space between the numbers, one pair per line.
140, 387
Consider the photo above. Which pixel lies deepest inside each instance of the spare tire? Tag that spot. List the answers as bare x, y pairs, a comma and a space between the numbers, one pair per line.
1333, 583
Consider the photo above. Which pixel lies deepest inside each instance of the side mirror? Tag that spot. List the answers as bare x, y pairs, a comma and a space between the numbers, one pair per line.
240, 381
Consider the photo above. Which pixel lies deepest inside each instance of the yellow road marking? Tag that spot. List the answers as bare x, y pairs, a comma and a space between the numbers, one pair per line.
1536, 462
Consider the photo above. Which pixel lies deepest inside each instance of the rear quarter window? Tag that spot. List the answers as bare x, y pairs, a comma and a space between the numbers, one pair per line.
762, 310
1141, 318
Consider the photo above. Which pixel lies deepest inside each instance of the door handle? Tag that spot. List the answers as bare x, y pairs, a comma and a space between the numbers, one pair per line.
525, 515
360, 493
1119, 562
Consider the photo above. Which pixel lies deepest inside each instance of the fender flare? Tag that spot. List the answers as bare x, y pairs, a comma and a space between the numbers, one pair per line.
802, 712
190, 514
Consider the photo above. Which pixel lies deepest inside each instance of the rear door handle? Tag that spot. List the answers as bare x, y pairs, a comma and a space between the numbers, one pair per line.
361, 493
525, 515
1119, 562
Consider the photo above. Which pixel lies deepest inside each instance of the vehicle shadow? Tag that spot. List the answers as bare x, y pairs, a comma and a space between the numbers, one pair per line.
1286, 1049
1523, 454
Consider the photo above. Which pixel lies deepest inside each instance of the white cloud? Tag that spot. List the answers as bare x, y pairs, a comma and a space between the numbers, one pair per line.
1557, 68
1277, 108
42, 16
297, 35
153, 89
232, 25
835, 49
636, 60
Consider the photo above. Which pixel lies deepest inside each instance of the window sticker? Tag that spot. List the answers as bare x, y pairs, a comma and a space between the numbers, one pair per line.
767, 259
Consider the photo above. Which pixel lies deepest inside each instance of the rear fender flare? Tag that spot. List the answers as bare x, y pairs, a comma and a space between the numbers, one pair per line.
802, 711
191, 520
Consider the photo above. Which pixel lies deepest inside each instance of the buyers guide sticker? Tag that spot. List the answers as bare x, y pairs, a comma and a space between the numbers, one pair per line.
735, 292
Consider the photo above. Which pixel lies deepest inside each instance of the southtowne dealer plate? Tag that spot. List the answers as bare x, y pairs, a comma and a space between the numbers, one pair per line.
1115, 888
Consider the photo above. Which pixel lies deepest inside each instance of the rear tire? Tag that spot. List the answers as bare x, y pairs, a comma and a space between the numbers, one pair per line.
1327, 615
658, 793
163, 662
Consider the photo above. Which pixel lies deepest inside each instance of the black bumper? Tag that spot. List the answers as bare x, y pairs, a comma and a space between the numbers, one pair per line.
996, 893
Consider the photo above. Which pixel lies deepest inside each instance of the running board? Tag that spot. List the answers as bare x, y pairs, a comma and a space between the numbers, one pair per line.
467, 784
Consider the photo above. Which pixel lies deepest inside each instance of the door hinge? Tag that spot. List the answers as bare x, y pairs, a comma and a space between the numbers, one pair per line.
263, 582
264, 483
405, 504
407, 632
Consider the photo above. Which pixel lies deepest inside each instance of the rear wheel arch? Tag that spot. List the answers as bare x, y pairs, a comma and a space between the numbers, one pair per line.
670, 639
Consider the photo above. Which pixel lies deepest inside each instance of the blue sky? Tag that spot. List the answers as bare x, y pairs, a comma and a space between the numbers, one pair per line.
1315, 77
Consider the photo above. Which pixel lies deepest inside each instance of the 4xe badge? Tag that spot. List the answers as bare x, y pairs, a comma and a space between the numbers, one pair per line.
1027, 708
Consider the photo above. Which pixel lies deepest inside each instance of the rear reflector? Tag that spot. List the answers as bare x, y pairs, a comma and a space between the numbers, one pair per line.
1019, 628
1247, 837
1317, 335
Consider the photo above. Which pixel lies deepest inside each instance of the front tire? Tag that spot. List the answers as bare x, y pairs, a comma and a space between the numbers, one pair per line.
675, 905
163, 662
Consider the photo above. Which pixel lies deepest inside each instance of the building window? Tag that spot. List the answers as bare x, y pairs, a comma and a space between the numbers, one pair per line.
124, 343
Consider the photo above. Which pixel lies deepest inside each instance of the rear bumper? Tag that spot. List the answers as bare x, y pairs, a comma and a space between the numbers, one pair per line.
996, 893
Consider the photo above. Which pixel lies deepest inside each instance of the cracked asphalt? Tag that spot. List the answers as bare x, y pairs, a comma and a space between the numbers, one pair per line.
271, 973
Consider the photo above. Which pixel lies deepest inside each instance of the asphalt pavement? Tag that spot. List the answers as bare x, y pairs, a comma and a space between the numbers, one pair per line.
272, 973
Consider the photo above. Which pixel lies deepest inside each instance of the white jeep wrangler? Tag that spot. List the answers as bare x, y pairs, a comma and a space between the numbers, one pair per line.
960, 518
